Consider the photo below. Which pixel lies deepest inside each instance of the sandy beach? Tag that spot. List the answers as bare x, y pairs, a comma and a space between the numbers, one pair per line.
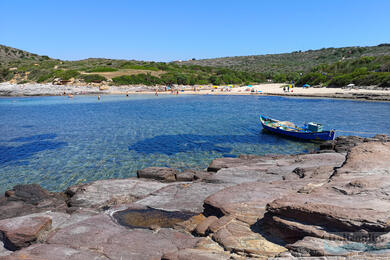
35, 89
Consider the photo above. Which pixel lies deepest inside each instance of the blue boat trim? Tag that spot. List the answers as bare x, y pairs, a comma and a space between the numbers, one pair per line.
297, 132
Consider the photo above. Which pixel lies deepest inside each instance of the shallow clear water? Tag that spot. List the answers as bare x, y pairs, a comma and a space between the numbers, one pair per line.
57, 142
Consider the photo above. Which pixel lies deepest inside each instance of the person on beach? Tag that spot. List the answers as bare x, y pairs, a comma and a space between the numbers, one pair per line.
98, 97
156, 94
127, 94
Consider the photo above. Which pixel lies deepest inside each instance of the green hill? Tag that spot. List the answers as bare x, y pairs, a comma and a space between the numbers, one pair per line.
332, 67
298, 61
10, 55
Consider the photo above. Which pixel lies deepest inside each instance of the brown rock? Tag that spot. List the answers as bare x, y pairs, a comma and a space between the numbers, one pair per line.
30, 198
117, 242
277, 168
220, 223
206, 243
247, 201
185, 176
190, 224
355, 201
367, 159
332, 210
243, 160
202, 227
158, 173
238, 237
54, 252
23, 231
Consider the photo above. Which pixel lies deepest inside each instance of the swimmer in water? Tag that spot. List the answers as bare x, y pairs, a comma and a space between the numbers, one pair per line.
98, 97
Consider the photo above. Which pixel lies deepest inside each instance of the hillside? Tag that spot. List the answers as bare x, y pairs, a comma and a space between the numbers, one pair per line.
363, 66
17, 66
292, 62
9, 54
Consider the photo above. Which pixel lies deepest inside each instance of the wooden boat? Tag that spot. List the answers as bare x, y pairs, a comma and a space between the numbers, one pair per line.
311, 131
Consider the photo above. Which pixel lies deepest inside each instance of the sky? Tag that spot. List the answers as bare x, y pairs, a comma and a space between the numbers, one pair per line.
168, 30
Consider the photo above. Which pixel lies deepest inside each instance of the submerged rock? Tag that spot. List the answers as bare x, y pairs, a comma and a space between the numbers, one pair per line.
149, 218
332, 204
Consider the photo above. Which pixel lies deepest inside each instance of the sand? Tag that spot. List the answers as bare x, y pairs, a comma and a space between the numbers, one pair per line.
33, 89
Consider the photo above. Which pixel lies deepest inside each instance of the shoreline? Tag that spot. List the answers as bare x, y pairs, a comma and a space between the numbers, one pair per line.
283, 205
29, 90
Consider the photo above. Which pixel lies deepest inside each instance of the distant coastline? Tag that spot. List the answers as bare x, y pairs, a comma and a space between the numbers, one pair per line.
271, 89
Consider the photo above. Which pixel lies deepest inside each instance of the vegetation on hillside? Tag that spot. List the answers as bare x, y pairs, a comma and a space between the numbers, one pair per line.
352, 65
364, 71
297, 61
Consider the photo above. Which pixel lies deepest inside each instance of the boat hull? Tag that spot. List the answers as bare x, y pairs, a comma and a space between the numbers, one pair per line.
320, 136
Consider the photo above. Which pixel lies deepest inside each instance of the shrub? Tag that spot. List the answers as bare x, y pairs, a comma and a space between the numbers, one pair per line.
145, 79
133, 66
102, 69
40, 75
66, 74
95, 78
312, 78
44, 78
5, 74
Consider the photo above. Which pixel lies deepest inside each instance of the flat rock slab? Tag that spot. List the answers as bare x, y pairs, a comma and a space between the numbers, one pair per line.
106, 193
186, 197
243, 174
54, 252
221, 163
335, 211
275, 168
248, 201
100, 233
367, 159
355, 200
23, 231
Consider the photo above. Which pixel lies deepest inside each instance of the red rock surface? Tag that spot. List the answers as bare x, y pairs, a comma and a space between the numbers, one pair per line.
23, 231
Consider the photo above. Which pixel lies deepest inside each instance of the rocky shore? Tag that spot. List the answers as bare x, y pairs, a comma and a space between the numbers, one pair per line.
332, 204
35, 89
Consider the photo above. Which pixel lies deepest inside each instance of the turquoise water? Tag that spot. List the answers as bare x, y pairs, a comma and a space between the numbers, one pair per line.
57, 142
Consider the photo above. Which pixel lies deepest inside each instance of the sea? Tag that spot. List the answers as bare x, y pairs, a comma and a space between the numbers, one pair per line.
59, 141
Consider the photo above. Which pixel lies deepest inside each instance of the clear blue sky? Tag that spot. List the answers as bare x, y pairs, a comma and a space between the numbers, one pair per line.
166, 30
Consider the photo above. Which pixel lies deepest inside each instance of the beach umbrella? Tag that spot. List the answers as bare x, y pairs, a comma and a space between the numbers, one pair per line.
351, 85
306, 86
250, 86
